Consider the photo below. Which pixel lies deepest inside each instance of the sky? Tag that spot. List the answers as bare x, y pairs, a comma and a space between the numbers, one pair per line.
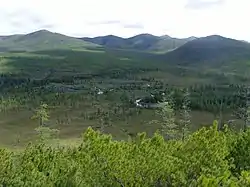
125, 18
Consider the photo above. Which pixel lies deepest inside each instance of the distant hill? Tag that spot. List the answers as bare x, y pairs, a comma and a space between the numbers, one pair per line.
192, 50
167, 43
3, 37
46, 40
41, 40
210, 49
110, 41
4, 44
142, 42
9, 36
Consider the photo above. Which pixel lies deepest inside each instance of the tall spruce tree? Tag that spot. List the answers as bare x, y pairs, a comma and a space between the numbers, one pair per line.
185, 120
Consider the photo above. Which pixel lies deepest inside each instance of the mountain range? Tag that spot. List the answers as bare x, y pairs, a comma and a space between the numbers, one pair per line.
188, 50
44, 39
145, 42
41, 40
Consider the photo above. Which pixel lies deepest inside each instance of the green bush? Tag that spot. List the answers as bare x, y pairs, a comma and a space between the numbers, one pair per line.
207, 157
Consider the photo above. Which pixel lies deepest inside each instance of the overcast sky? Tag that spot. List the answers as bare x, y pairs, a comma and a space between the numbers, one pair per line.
177, 18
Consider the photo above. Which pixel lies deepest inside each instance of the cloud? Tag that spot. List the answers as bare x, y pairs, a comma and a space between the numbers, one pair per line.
23, 20
130, 25
106, 22
133, 26
176, 18
201, 4
47, 26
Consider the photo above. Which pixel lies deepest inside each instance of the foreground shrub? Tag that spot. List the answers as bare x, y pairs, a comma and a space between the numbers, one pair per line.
208, 157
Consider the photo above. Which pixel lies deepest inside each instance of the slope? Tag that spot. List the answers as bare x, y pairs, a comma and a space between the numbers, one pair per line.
4, 41
109, 41
211, 49
42, 40
142, 42
167, 43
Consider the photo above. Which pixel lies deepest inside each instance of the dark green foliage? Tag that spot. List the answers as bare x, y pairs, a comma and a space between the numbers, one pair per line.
241, 152
203, 159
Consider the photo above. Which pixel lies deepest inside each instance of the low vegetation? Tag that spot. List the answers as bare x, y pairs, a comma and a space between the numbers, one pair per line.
212, 156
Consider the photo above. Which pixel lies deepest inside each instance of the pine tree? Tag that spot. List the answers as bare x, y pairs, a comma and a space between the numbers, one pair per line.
243, 112
42, 114
169, 128
247, 123
185, 114
45, 133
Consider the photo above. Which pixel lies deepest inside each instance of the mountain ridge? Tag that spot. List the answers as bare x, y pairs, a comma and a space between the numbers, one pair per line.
181, 51
212, 49
144, 41
41, 40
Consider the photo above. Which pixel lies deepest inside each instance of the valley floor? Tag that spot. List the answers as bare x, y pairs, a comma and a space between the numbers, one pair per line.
69, 82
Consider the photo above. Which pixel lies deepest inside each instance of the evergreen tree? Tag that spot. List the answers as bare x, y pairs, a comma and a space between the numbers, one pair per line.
41, 114
185, 120
169, 128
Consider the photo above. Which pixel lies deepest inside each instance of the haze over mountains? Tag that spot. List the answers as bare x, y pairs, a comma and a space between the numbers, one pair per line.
187, 50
